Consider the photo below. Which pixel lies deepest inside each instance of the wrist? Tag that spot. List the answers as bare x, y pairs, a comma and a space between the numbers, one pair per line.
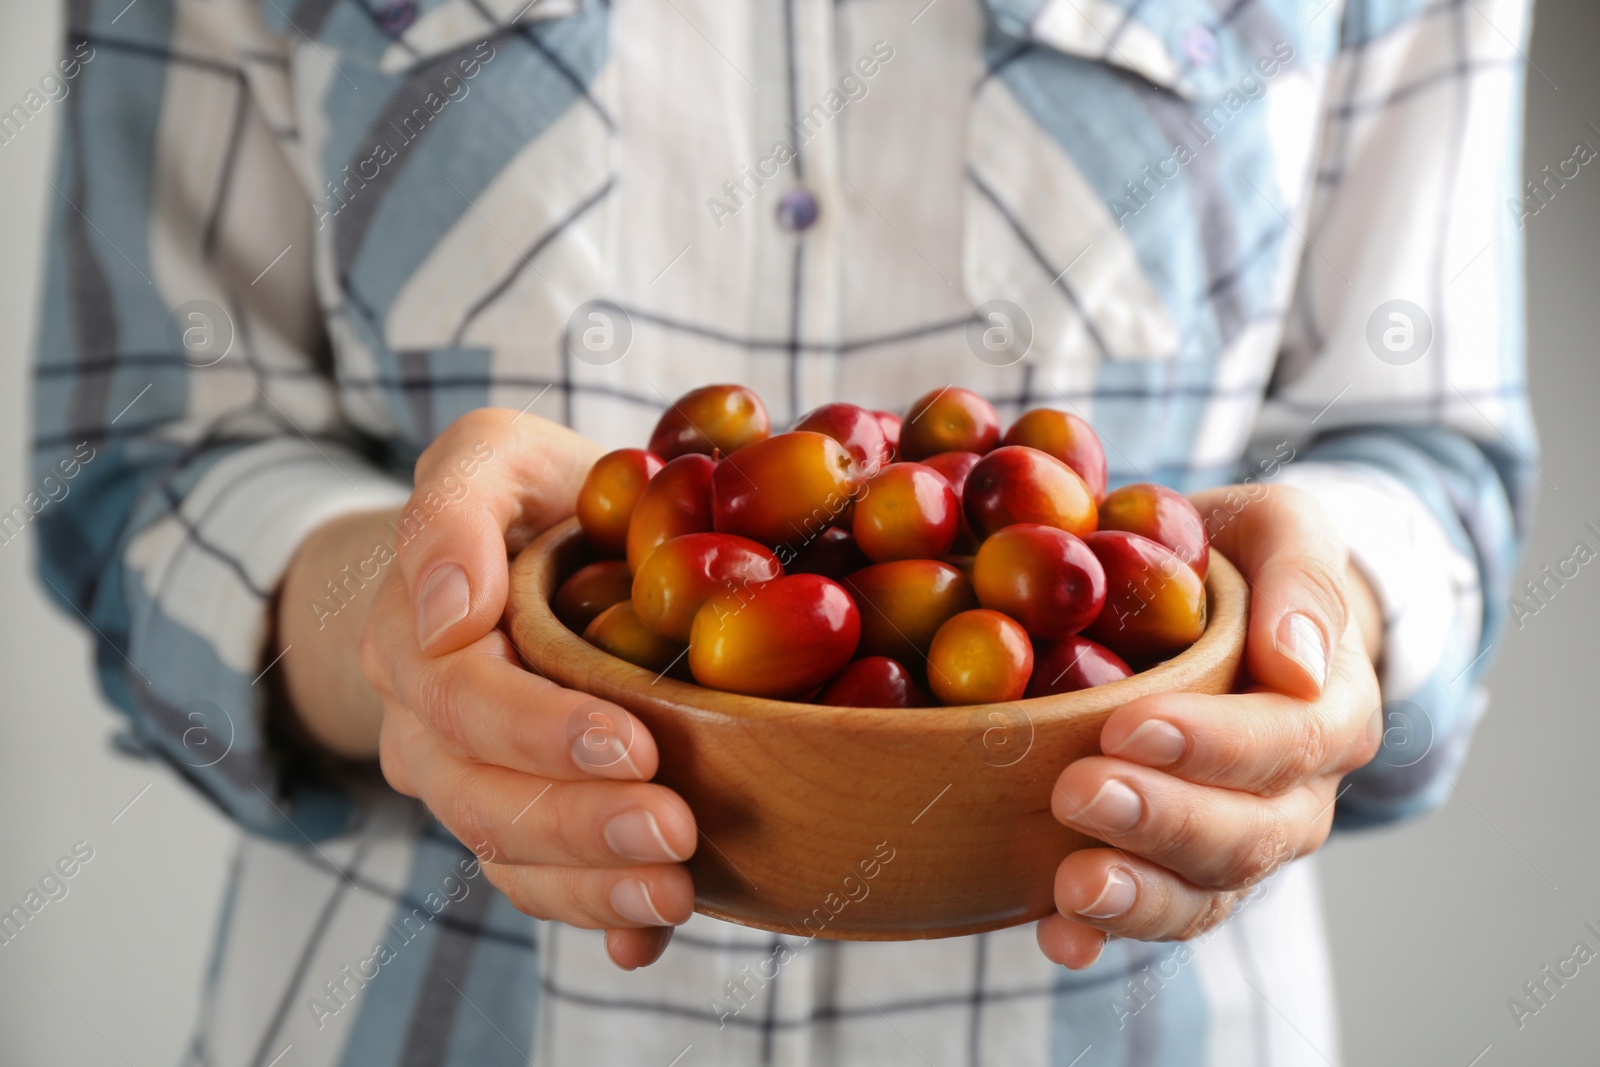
322, 608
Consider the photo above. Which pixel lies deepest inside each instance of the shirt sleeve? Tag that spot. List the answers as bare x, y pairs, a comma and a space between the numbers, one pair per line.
188, 432
1401, 380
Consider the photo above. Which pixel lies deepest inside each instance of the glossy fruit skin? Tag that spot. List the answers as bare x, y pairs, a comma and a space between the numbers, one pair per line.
904, 602
1045, 578
683, 573
854, 427
906, 511
979, 657
1068, 438
780, 640
676, 502
609, 494
1073, 663
890, 424
784, 490
875, 682
618, 631
1164, 516
1015, 484
949, 420
832, 554
956, 466
1155, 603
713, 418
590, 590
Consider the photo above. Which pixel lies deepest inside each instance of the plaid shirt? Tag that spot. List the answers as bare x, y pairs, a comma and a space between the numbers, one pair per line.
1273, 240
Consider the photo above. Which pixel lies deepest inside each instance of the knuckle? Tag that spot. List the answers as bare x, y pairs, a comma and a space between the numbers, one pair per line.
1259, 856
439, 700
1323, 581
1213, 912
1185, 835
466, 811
568, 829
1311, 747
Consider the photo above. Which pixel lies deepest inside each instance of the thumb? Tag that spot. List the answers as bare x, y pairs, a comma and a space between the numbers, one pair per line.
1283, 543
487, 485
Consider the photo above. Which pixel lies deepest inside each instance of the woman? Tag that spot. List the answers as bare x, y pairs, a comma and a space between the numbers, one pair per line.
347, 296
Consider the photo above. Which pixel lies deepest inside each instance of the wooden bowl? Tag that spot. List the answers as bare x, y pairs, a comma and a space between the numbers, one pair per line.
863, 824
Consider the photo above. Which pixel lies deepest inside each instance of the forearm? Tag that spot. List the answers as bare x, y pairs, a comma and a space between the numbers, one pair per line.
320, 627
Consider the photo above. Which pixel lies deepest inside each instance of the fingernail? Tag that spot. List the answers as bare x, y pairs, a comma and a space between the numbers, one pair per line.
1301, 640
445, 599
609, 759
1116, 897
635, 835
1115, 809
1155, 744
631, 899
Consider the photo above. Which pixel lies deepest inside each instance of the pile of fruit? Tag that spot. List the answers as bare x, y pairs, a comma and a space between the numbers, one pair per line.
864, 560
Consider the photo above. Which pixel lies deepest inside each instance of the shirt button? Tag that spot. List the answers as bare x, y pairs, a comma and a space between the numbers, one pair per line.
1200, 45
397, 16
797, 210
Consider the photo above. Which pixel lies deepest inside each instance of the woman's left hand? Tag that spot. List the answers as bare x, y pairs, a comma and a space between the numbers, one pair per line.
1201, 797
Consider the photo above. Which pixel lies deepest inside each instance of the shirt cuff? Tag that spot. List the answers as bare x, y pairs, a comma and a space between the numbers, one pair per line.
200, 575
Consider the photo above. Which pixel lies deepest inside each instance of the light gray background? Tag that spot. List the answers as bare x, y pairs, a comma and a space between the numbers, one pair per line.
1433, 926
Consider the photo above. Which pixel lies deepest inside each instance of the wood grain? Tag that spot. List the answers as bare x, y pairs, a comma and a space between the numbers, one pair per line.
863, 824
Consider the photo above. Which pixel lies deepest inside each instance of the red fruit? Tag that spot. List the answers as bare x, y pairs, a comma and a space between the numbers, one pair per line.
683, 573
979, 657
618, 631
890, 424
1155, 603
590, 590
832, 554
949, 420
781, 639
955, 466
1073, 663
676, 502
1016, 484
715, 418
608, 496
786, 489
1044, 578
1163, 515
854, 427
1066, 437
907, 511
875, 682
903, 603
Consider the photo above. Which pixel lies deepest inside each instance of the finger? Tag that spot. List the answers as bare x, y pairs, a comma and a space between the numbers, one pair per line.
632, 949
1130, 897
1259, 742
1072, 944
627, 898
522, 819
1283, 543
487, 708
1215, 838
485, 486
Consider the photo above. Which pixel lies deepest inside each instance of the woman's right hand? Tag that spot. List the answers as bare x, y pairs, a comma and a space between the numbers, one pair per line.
548, 786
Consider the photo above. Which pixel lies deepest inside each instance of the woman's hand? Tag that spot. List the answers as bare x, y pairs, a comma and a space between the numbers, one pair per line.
550, 787
1200, 796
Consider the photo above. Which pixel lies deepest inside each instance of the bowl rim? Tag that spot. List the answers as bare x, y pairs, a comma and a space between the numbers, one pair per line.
538, 570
